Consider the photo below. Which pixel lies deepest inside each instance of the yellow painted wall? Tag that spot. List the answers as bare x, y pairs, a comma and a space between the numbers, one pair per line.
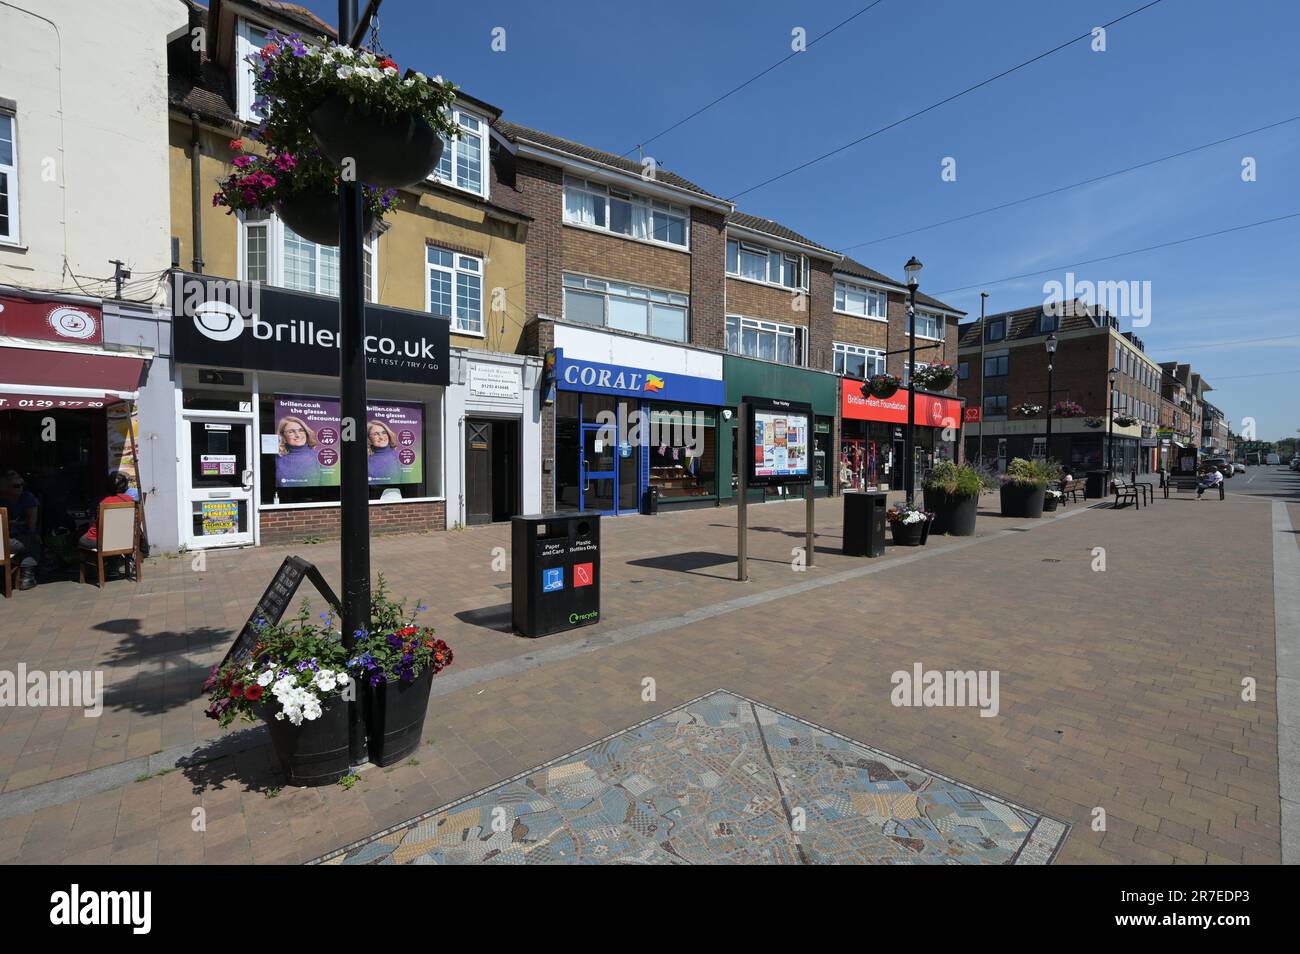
429, 218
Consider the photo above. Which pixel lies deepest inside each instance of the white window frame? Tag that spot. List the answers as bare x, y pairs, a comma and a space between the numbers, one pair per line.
605, 192
12, 237
607, 289
475, 125
462, 264
840, 302
275, 229
873, 358
784, 260
244, 46
939, 324
797, 333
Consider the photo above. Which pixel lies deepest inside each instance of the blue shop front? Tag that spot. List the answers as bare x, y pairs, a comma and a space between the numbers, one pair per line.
634, 420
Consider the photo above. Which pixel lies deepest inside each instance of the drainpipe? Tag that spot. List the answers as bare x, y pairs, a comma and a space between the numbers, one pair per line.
196, 209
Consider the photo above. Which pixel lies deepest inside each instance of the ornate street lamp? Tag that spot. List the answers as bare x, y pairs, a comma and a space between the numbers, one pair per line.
1050, 344
1110, 427
913, 270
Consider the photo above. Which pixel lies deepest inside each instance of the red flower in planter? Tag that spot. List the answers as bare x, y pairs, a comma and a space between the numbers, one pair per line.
237, 690
253, 693
386, 62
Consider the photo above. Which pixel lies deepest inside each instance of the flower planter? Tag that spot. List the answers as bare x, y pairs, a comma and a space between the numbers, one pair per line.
953, 515
315, 216
1050, 503
935, 382
395, 717
387, 151
909, 534
887, 391
316, 752
1022, 500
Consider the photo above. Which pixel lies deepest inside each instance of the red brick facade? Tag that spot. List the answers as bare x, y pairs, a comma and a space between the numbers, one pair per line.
293, 525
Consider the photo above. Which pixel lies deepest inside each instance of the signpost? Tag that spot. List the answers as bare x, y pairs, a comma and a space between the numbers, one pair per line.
775, 451
275, 600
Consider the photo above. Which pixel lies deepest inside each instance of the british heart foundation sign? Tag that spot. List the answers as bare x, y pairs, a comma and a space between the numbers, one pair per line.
930, 411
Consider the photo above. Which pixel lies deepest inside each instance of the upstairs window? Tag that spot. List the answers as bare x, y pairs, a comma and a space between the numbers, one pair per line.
769, 340
274, 254
8, 179
643, 311
613, 209
461, 164
928, 325
997, 330
855, 361
861, 301
762, 264
456, 289
249, 39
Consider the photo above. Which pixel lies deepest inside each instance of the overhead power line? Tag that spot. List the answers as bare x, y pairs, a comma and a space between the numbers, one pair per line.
1073, 185
757, 76
942, 102
1133, 251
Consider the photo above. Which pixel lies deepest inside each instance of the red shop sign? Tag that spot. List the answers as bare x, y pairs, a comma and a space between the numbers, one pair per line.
51, 320
930, 411
972, 415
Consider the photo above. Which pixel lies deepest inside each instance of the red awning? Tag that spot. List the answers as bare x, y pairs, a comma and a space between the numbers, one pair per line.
38, 380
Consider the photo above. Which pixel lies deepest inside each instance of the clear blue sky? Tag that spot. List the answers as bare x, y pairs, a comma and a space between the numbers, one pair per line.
1183, 73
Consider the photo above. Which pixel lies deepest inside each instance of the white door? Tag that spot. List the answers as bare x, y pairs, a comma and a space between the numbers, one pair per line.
219, 488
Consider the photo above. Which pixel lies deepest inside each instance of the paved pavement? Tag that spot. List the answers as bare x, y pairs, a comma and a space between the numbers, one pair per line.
1120, 690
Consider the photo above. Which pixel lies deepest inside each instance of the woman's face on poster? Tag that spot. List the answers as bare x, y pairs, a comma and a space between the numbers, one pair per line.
294, 434
377, 435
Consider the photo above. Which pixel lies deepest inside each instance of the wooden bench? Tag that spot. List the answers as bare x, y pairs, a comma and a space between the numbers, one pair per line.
1074, 489
1187, 482
1124, 491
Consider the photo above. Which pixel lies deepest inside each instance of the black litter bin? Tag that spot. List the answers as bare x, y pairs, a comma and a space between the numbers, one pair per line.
555, 572
1097, 484
650, 501
864, 523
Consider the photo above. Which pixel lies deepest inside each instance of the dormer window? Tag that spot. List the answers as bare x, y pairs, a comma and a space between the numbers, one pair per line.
461, 165
1048, 323
997, 330
249, 38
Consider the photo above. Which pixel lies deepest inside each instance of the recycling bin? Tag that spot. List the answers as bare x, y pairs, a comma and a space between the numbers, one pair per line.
554, 572
650, 501
864, 523
1096, 484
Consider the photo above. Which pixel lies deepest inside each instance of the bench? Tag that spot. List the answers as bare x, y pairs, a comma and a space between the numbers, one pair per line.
1124, 491
1187, 482
1073, 489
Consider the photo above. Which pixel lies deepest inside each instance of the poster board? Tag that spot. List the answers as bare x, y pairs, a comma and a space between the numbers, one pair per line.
780, 442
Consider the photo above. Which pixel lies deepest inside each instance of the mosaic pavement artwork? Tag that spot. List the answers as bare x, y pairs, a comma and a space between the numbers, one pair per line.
720, 780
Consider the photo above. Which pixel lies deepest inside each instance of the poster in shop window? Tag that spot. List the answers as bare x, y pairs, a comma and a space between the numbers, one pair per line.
309, 433
781, 432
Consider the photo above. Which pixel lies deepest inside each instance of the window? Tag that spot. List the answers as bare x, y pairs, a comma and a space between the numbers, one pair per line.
859, 300
928, 325
276, 255
461, 164
8, 179
761, 264
642, 311
250, 39
617, 210
765, 339
997, 330
907, 371
963, 371
995, 405
996, 367
456, 289
1048, 323
855, 361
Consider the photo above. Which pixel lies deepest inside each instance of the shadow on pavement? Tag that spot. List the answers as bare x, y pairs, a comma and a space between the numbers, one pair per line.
178, 677
498, 618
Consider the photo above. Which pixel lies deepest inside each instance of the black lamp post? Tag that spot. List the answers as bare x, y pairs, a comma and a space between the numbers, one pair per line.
1110, 427
1050, 344
984, 336
913, 270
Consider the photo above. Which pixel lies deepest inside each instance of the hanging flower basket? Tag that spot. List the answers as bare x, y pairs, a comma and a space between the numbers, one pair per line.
314, 215
881, 385
1027, 410
934, 377
1125, 421
1093, 422
1067, 409
368, 120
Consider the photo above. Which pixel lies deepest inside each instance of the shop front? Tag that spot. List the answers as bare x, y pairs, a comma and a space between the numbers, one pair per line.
636, 421
259, 426
873, 445
751, 377
69, 413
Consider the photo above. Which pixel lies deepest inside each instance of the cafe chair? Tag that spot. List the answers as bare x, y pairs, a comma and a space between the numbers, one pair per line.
9, 568
119, 536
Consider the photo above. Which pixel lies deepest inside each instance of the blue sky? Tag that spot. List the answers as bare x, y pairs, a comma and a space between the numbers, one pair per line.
1183, 73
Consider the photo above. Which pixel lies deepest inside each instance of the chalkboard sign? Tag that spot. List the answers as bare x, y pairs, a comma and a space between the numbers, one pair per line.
276, 600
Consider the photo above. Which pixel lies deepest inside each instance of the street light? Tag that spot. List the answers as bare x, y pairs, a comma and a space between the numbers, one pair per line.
1110, 428
984, 334
1050, 344
913, 270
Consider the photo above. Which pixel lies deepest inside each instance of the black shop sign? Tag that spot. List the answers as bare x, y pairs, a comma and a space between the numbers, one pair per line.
234, 324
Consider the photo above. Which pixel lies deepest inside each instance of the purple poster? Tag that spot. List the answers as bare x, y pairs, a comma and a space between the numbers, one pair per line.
309, 433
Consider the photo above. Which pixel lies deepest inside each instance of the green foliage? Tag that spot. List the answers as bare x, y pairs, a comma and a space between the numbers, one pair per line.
1032, 473
956, 480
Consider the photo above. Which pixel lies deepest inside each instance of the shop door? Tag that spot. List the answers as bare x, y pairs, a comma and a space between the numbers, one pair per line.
600, 471
898, 471
852, 464
219, 495
478, 471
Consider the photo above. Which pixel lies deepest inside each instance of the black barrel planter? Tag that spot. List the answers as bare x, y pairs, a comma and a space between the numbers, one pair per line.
953, 515
395, 719
1022, 500
315, 215
316, 752
1049, 503
388, 151
909, 534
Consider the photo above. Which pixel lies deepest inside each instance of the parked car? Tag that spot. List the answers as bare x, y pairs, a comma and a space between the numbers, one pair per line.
1272, 459
1220, 464
1238, 467
1295, 462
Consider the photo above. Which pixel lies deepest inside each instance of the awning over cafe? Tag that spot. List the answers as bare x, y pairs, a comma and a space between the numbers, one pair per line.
33, 379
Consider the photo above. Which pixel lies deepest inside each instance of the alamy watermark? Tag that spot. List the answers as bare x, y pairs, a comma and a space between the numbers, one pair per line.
934, 688
55, 689
1130, 300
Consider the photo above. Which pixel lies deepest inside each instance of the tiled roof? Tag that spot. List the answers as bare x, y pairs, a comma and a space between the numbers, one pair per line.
850, 266
756, 224
210, 96
515, 133
923, 299
1023, 323
293, 13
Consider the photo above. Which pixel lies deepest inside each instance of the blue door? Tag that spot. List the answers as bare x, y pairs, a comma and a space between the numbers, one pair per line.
609, 473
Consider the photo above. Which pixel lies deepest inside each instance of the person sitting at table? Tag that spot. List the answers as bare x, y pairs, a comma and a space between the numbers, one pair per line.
120, 485
24, 526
